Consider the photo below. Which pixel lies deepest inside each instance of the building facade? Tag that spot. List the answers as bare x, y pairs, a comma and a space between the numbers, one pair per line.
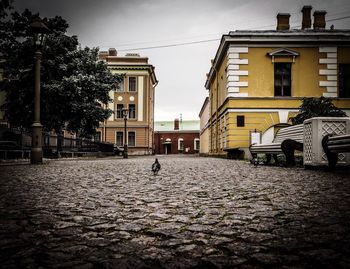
134, 95
258, 79
176, 137
204, 128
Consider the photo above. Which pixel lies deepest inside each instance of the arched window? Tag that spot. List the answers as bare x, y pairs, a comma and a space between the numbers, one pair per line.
180, 144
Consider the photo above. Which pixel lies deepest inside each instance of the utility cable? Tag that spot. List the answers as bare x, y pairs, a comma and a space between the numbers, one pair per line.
210, 40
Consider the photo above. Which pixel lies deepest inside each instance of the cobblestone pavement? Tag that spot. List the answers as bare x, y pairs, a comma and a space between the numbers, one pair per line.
197, 213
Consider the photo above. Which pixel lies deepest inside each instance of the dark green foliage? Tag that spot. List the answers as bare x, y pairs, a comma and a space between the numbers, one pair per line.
317, 107
74, 84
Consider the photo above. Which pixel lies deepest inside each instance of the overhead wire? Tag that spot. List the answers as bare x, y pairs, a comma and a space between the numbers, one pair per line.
203, 41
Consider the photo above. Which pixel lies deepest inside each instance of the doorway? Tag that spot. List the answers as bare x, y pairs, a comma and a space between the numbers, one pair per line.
167, 149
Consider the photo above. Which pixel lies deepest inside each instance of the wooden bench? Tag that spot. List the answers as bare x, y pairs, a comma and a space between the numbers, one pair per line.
334, 144
286, 141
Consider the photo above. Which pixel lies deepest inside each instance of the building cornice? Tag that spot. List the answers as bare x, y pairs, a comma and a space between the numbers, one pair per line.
129, 67
206, 101
293, 38
177, 131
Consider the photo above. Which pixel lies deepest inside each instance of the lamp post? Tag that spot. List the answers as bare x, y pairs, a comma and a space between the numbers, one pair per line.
39, 30
125, 114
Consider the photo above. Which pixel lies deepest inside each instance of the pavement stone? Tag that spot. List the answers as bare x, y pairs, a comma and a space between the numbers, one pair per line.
196, 213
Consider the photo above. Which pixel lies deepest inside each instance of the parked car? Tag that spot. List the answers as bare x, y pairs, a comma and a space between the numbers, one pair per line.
118, 150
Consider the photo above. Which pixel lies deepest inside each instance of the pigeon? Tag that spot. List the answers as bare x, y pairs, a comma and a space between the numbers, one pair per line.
155, 167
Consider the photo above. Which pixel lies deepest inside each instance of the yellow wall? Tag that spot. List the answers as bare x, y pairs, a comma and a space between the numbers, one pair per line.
238, 137
305, 72
204, 142
219, 82
292, 103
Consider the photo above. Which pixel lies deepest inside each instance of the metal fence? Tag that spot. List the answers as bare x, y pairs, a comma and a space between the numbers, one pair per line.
53, 145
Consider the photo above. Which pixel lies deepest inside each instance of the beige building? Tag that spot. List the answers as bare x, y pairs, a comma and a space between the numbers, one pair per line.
204, 127
135, 94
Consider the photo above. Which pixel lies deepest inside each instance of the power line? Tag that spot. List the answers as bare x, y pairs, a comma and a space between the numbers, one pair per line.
173, 45
338, 19
210, 40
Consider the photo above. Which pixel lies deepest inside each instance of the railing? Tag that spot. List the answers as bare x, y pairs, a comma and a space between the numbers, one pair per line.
53, 145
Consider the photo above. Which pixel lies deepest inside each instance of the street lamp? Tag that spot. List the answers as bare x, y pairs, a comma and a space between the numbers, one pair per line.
125, 114
39, 30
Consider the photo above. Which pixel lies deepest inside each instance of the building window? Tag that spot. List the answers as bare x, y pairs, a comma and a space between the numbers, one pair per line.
131, 139
132, 114
120, 86
283, 79
132, 84
119, 111
97, 137
180, 144
240, 121
344, 80
119, 138
196, 144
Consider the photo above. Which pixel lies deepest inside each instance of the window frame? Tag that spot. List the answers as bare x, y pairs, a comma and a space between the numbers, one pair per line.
129, 112
195, 141
283, 86
122, 138
131, 132
119, 112
240, 121
97, 136
129, 84
122, 88
180, 144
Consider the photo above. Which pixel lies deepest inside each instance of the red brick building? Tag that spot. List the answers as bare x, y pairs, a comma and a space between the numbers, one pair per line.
174, 137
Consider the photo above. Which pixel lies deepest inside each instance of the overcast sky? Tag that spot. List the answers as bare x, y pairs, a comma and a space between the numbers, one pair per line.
142, 24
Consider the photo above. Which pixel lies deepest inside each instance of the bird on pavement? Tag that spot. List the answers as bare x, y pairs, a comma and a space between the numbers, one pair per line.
155, 167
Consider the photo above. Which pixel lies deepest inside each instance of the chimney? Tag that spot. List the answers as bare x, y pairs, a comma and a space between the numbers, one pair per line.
282, 21
306, 24
112, 52
176, 124
103, 55
320, 19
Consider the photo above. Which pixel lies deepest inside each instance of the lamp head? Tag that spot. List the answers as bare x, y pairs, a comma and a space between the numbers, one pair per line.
39, 30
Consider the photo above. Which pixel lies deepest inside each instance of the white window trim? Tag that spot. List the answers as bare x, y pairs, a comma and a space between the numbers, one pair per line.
122, 86
116, 112
135, 118
194, 143
115, 136
127, 139
178, 144
136, 83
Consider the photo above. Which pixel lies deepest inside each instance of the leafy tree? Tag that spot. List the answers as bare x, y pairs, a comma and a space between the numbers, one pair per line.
317, 107
74, 83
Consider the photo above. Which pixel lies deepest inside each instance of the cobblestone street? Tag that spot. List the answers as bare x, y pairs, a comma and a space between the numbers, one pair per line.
197, 213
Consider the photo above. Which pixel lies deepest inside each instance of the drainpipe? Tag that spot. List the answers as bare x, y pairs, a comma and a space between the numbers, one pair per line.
154, 87
217, 110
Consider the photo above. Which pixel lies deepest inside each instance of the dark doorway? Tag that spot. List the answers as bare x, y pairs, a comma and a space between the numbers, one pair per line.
167, 148
344, 80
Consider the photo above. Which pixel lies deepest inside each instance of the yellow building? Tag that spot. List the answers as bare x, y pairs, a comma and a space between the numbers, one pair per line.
135, 94
204, 130
258, 79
